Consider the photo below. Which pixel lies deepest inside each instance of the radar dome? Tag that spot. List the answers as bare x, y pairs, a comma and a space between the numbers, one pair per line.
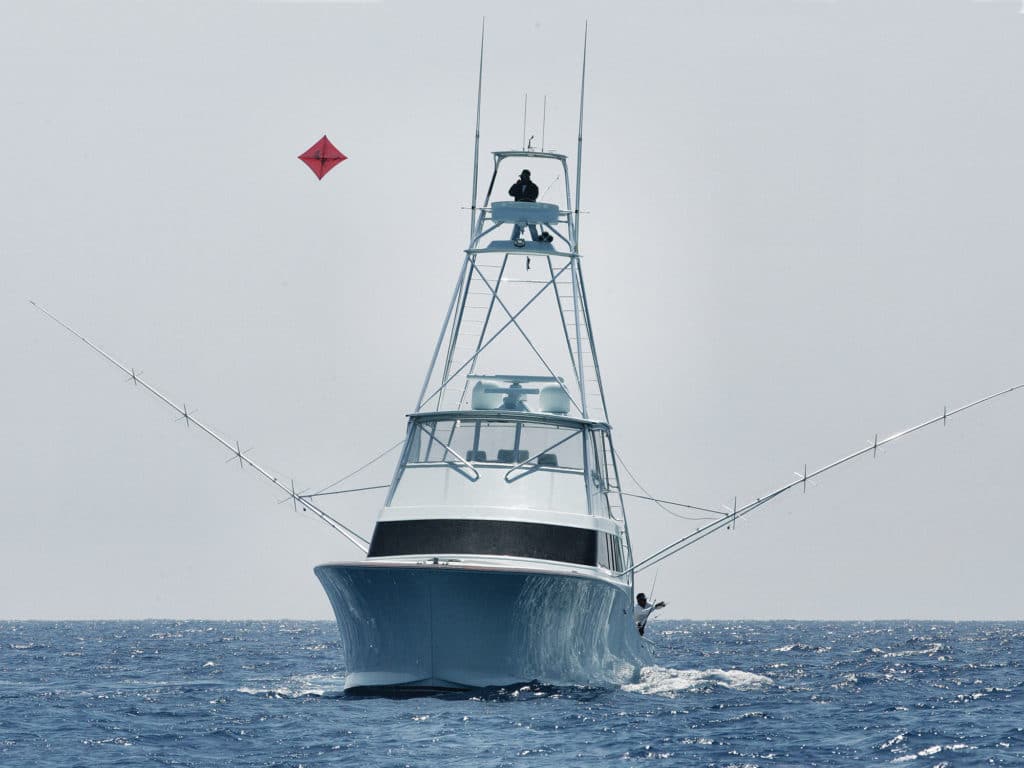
484, 400
554, 399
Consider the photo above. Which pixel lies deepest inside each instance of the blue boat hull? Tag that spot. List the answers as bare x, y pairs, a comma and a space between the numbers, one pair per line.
456, 627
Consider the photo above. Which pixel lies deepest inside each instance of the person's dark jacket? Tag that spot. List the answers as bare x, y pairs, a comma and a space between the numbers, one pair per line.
524, 191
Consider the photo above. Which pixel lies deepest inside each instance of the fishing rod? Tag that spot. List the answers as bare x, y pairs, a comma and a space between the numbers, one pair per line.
236, 451
802, 477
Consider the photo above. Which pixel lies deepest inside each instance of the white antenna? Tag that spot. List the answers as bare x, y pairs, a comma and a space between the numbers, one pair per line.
476, 144
526, 98
236, 451
579, 144
544, 122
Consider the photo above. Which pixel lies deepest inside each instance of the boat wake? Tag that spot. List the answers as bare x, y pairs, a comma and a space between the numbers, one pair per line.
298, 687
665, 681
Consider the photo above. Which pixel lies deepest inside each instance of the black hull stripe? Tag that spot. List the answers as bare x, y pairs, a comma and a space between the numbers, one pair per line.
485, 537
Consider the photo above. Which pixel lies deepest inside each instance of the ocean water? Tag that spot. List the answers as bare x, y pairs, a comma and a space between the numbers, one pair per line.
270, 693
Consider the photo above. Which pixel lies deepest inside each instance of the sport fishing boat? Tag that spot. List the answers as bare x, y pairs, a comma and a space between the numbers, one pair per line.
498, 555
502, 551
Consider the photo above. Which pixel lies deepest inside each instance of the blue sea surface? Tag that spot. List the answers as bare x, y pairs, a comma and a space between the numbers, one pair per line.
270, 693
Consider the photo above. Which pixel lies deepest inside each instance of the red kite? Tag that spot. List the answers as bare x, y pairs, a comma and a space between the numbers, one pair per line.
321, 157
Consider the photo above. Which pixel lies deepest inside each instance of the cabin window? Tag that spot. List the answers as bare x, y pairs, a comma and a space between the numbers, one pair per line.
609, 552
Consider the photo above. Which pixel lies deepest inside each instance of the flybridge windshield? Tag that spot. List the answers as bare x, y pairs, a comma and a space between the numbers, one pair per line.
480, 441
504, 462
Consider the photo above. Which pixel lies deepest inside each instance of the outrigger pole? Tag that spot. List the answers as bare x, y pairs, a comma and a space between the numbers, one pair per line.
802, 478
236, 450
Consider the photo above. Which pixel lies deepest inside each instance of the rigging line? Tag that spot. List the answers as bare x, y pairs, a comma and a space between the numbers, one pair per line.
702, 533
715, 512
522, 333
446, 381
486, 321
378, 457
707, 530
344, 530
662, 502
545, 192
347, 490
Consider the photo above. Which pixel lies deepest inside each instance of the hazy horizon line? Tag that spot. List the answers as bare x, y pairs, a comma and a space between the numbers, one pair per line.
656, 619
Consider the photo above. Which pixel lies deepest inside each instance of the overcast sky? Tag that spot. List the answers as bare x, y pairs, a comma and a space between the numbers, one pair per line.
803, 229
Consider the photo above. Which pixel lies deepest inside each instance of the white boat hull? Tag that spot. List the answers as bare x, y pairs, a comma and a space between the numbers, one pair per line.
456, 626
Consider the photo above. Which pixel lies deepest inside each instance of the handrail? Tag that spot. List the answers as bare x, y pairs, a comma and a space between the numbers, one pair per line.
534, 458
453, 452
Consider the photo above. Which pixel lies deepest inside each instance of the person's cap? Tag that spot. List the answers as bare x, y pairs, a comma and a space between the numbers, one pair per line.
525, 173
641, 596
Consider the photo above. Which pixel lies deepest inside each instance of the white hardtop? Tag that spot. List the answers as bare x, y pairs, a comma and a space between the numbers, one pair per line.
502, 154
500, 414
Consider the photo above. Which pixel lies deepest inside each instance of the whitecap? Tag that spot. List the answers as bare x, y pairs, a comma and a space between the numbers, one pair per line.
802, 647
899, 738
931, 650
932, 751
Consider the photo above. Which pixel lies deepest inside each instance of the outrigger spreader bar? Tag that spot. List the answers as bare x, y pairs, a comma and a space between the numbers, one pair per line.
236, 451
802, 477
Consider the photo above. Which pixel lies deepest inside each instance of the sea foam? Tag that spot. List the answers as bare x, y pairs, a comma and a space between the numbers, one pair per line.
665, 681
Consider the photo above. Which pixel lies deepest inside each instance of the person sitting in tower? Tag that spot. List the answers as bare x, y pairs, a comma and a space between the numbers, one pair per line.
525, 191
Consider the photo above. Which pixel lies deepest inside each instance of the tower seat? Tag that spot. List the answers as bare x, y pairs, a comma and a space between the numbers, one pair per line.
510, 456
